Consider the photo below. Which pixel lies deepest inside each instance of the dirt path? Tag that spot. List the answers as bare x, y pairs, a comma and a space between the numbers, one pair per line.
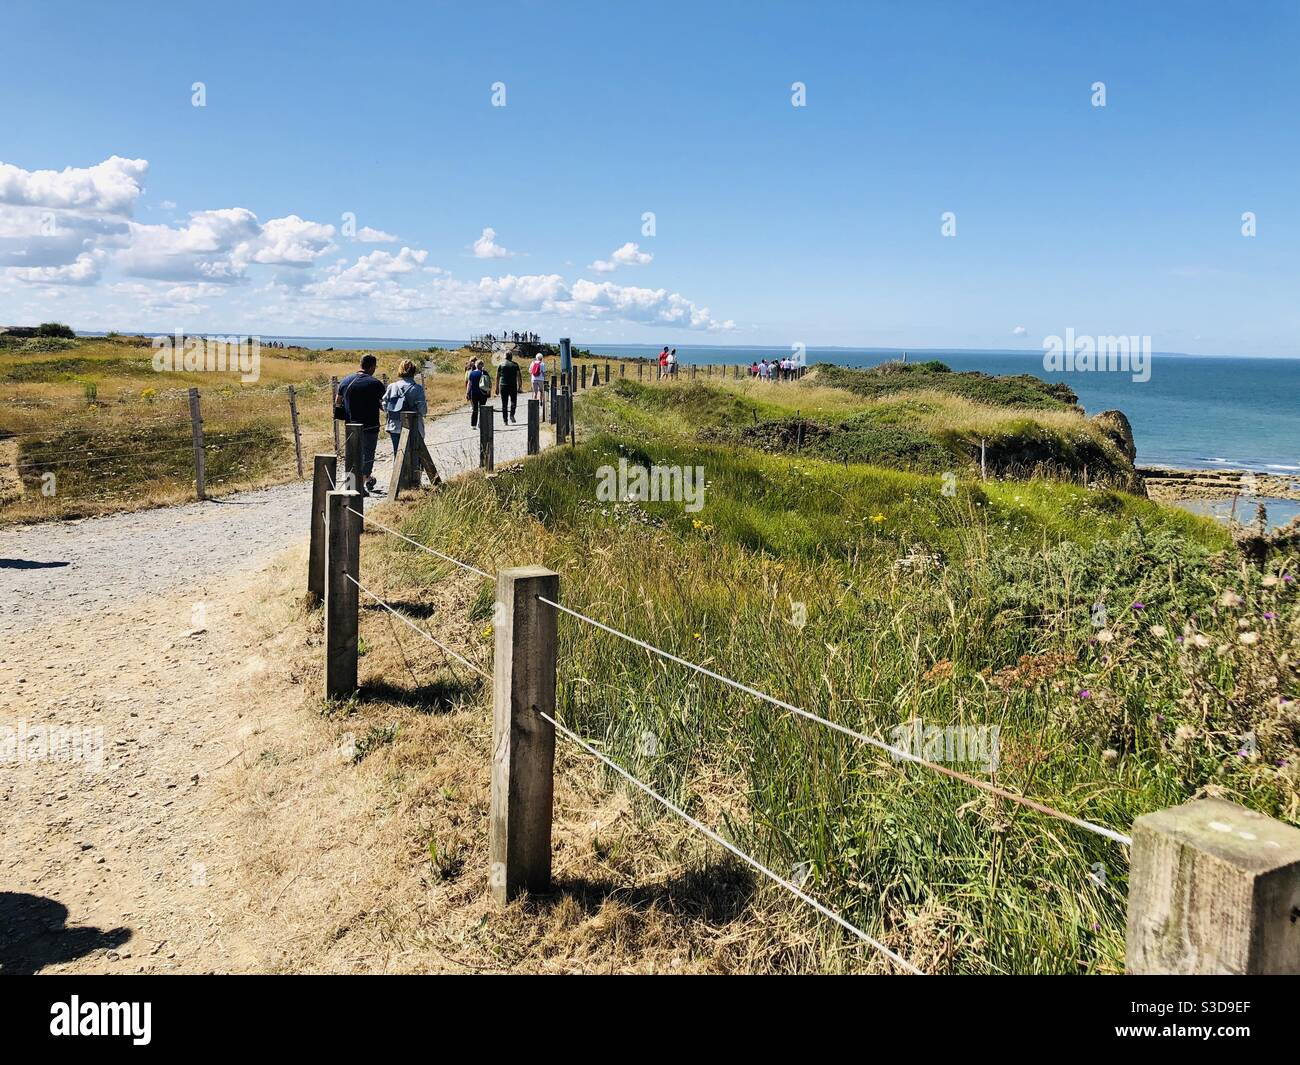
141, 673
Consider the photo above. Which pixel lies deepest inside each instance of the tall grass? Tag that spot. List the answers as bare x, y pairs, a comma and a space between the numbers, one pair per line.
995, 626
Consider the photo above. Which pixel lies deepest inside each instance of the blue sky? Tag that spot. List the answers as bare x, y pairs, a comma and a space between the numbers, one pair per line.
774, 224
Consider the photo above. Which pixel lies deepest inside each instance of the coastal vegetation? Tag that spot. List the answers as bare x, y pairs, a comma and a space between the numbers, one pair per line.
1127, 656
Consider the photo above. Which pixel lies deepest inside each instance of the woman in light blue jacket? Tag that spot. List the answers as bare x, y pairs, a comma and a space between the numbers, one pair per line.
404, 396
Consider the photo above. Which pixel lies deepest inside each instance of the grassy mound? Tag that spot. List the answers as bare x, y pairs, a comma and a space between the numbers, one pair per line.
1116, 645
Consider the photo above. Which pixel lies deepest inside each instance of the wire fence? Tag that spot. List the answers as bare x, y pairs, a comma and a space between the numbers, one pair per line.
855, 734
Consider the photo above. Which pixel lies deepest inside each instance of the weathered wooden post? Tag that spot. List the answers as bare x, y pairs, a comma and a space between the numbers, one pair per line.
487, 437
534, 427
1213, 888
693, 369
412, 426
324, 470
297, 437
640, 371
584, 375
606, 371
523, 742
196, 433
334, 398
352, 480
595, 376
554, 387
342, 571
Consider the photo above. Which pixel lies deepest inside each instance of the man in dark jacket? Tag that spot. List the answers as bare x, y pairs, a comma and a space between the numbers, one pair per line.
508, 387
361, 394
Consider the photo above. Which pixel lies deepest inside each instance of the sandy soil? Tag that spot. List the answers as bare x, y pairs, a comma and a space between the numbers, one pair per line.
160, 832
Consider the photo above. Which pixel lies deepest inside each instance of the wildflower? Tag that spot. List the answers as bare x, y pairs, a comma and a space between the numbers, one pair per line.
1200, 640
1110, 755
1269, 615
1183, 733
1248, 637
1138, 606
877, 518
1105, 636
696, 635
1159, 631
696, 523
1230, 598
1269, 582
1085, 694
487, 631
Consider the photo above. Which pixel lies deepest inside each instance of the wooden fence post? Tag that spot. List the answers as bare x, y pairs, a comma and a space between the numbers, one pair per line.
412, 425
297, 436
1213, 888
534, 427
334, 395
486, 435
640, 371
554, 386
342, 569
196, 432
622, 369
352, 480
523, 742
324, 470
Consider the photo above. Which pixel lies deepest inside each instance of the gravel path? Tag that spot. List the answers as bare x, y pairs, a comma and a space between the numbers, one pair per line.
64, 569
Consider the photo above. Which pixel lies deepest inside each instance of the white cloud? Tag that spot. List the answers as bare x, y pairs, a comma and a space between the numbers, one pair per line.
84, 270
486, 247
168, 205
68, 238
112, 186
628, 255
1018, 331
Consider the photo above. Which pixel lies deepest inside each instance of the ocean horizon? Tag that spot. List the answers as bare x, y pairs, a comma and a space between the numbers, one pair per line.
1195, 411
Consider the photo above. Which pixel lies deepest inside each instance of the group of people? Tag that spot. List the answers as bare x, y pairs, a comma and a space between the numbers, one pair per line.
668, 362
776, 370
510, 336
478, 385
361, 397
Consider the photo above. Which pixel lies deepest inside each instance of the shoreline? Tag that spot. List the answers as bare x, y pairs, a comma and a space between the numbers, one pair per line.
1167, 484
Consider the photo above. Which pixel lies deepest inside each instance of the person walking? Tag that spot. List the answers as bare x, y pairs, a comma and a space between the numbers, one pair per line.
478, 390
508, 377
537, 377
361, 394
404, 396
663, 361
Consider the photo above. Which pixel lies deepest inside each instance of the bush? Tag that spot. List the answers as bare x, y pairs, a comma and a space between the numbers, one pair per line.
56, 329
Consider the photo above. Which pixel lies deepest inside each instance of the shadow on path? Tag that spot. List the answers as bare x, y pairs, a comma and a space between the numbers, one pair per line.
34, 934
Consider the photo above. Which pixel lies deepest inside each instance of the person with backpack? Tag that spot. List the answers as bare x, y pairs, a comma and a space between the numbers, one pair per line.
537, 378
358, 400
508, 377
478, 390
404, 396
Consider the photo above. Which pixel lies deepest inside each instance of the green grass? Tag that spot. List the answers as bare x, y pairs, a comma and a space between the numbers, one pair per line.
1104, 722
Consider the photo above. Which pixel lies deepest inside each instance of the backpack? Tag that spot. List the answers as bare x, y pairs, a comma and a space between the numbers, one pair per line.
340, 410
485, 383
535, 370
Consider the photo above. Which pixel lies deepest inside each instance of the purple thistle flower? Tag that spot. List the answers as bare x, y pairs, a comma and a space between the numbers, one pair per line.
1138, 606
1085, 694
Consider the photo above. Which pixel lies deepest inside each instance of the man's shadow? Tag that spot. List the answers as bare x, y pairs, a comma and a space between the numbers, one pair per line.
34, 934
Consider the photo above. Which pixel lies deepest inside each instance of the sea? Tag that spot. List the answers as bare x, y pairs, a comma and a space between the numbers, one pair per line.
1194, 412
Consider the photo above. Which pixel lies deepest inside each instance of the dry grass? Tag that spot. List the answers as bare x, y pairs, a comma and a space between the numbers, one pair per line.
130, 447
378, 861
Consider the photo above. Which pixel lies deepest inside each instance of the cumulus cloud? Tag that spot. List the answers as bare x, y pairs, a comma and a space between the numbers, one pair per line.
112, 186
486, 247
84, 270
1018, 331
628, 255
64, 232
